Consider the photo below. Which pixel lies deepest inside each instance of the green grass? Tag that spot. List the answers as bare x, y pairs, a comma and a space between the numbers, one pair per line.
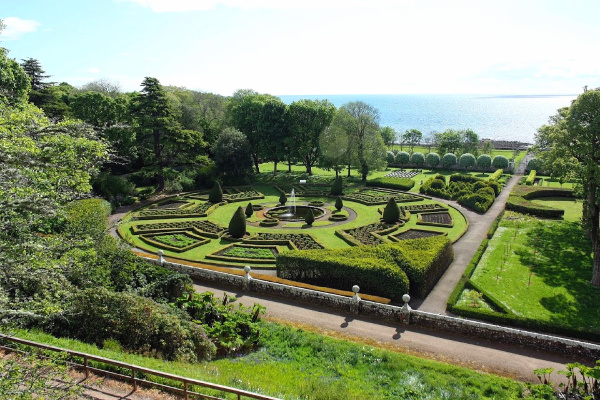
573, 207
295, 364
550, 182
541, 269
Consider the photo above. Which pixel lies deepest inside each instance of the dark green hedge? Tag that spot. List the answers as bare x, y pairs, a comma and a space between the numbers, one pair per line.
530, 178
496, 175
392, 183
524, 206
469, 191
383, 270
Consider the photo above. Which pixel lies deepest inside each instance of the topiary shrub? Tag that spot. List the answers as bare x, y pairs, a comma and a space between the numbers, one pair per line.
391, 213
402, 158
237, 224
467, 161
449, 160
339, 204
390, 157
216, 194
484, 161
496, 175
433, 159
531, 178
249, 210
392, 183
418, 159
309, 218
500, 162
282, 199
338, 188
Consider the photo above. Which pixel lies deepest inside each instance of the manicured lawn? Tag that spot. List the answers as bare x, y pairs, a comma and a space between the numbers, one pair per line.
295, 364
550, 182
541, 269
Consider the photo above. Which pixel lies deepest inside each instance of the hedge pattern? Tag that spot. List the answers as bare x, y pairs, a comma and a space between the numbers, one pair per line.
469, 191
519, 200
368, 235
496, 175
392, 183
202, 226
301, 241
530, 180
152, 241
376, 196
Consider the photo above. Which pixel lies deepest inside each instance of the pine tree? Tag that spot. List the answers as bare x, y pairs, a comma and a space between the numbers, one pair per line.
216, 194
249, 210
283, 199
337, 188
339, 204
310, 217
34, 71
237, 224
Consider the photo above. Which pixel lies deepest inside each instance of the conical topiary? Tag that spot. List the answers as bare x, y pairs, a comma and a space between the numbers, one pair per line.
337, 188
391, 213
237, 224
249, 210
339, 204
310, 217
283, 198
216, 194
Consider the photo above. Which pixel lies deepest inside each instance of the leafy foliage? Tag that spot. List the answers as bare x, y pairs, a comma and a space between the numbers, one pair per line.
484, 161
237, 224
310, 217
449, 160
216, 194
500, 162
391, 213
392, 183
433, 159
418, 159
338, 188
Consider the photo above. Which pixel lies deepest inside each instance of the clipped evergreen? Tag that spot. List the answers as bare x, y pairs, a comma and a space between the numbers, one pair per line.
283, 199
249, 210
339, 204
310, 217
391, 213
216, 194
237, 224
337, 188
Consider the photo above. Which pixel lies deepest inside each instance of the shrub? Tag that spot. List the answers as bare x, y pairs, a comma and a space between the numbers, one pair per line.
391, 213
496, 175
337, 188
216, 194
87, 217
418, 159
138, 323
435, 186
282, 199
477, 201
113, 187
467, 160
249, 210
339, 204
402, 158
237, 224
433, 159
500, 162
531, 178
392, 183
484, 161
390, 157
534, 164
309, 218
449, 160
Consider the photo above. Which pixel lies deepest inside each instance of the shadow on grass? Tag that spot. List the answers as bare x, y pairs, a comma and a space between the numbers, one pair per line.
559, 253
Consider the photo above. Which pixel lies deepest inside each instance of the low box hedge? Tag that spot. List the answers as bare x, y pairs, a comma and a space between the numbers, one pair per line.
530, 178
392, 183
496, 175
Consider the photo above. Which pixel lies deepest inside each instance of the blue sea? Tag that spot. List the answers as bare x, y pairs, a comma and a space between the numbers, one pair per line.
491, 117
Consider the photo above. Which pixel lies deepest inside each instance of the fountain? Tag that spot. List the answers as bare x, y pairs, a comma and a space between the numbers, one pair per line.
293, 199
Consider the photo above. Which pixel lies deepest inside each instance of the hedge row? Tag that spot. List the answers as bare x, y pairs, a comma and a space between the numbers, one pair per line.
530, 178
392, 183
469, 191
519, 201
384, 270
496, 175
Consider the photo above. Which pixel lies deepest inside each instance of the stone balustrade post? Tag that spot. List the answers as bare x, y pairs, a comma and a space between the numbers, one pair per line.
161, 257
247, 278
405, 310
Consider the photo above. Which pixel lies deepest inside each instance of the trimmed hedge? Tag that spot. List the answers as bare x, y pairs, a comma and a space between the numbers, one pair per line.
519, 201
469, 191
496, 175
392, 183
383, 270
531, 178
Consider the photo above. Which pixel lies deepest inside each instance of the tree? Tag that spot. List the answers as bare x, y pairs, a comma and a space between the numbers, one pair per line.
339, 204
574, 133
338, 150
500, 162
467, 160
433, 159
34, 71
391, 212
388, 134
429, 140
337, 188
534, 164
249, 210
216, 193
469, 142
448, 141
282, 199
412, 138
237, 224
308, 119
273, 127
418, 159
103, 86
484, 161
232, 154
390, 157
362, 126
310, 217
449, 160
402, 158
14, 83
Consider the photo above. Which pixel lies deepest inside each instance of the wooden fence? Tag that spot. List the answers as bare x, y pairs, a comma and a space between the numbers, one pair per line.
136, 376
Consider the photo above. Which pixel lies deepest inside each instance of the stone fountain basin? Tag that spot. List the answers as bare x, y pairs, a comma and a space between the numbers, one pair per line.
294, 213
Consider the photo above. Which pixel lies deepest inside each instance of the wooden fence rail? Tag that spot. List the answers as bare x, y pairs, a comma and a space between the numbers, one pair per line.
187, 384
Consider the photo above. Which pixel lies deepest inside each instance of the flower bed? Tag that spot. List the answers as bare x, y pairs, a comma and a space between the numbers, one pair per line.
301, 241
207, 227
246, 253
414, 234
443, 219
178, 241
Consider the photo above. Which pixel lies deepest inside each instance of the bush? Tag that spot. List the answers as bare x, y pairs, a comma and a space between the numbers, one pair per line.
519, 201
216, 194
310, 217
392, 183
113, 187
339, 204
391, 213
496, 175
237, 224
433, 159
467, 160
282, 199
337, 189
531, 178
418, 159
500, 162
138, 323
87, 217
402, 158
449, 160
484, 161
390, 157
249, 210
534, 164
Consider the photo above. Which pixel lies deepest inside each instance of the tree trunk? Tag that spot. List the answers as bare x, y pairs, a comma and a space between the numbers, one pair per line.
289, 165
348, 170
274, 167
255, 158
161, 182
594, 213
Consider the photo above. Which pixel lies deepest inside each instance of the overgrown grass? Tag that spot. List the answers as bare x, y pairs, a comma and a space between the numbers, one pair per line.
294, 364
541, 269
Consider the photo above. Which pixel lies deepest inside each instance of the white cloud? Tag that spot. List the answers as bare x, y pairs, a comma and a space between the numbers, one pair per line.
201, 5
15, 27
94, 70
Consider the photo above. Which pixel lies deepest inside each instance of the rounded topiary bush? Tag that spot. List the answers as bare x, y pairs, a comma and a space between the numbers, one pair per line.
282, 199
257, 207
484, 161
237, 224
269, 222
339, 204
310, 217
500, 162
391, 213
467, 161
418, 159
390, 157
216, 194
337, 188
433, 159
449, 160
316, 203
402, 158
249, 210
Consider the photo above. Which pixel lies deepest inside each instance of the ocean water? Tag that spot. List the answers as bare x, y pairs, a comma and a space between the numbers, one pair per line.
491, 117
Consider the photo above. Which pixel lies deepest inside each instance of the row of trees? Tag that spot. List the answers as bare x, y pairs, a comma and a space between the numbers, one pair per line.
448, 160
449, 141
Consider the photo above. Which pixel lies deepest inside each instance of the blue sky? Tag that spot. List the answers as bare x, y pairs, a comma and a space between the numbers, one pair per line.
314, 46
